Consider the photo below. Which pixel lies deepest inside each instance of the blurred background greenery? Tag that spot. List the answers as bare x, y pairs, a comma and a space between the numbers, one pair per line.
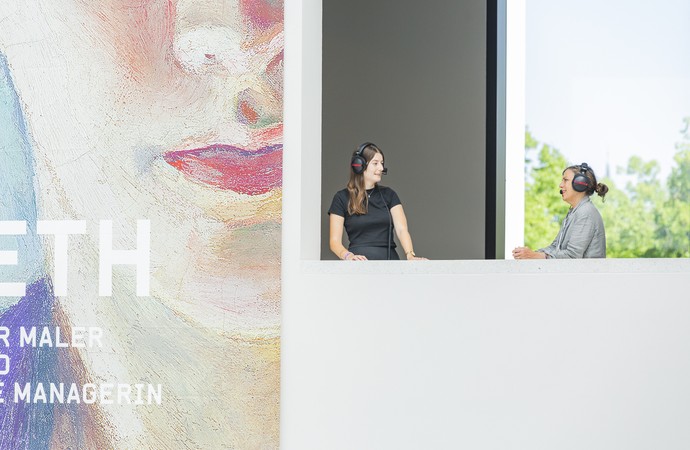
645, 218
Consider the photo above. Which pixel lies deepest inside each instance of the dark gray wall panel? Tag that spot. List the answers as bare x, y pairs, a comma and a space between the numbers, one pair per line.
410, 76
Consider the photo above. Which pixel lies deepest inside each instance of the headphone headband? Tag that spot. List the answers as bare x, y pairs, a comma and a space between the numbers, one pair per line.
361, 148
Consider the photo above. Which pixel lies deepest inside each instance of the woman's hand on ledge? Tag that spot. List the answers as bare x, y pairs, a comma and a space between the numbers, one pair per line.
527, 253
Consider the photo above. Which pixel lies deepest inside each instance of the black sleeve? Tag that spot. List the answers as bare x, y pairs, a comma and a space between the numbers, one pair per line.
392, 198
339, 204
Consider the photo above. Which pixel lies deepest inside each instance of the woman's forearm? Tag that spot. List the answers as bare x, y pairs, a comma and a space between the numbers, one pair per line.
339, 249
406, 243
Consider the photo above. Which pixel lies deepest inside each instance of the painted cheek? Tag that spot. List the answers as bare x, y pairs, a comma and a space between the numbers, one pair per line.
142, 34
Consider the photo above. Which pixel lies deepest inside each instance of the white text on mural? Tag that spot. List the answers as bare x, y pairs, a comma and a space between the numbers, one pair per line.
61, 230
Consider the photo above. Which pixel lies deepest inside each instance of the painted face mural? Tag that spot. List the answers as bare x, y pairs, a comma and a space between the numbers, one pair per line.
168, 112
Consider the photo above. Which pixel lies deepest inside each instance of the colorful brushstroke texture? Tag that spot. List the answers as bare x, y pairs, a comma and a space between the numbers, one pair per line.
42, 425
17, 198
228, 167
169, 111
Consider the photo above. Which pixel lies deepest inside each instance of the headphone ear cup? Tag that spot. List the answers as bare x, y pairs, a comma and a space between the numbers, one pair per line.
358, 164
580, 182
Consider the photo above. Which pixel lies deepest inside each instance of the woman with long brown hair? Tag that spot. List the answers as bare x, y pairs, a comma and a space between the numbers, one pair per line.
368, 212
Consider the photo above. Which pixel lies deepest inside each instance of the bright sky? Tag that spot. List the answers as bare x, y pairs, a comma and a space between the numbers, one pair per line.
608, 79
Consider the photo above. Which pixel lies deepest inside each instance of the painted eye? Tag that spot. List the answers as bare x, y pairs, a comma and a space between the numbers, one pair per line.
262, 14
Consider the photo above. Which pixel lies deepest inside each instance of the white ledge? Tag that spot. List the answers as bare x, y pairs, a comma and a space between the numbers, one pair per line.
611, 265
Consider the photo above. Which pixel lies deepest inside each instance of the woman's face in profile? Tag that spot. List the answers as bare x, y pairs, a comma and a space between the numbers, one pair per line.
374, 170
568, 194
162, 110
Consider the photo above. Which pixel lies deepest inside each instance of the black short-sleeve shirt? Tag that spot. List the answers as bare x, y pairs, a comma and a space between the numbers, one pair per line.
370, 229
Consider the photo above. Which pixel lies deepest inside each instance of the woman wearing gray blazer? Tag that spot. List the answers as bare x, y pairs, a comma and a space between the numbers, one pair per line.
582, 232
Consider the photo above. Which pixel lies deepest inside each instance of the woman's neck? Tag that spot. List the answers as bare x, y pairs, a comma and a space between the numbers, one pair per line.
368, 186
576, 202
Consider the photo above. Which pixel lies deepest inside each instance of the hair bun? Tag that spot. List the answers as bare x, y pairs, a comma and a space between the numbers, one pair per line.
601, 189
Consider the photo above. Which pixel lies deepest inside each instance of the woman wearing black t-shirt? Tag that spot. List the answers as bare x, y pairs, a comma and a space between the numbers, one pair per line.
369, 213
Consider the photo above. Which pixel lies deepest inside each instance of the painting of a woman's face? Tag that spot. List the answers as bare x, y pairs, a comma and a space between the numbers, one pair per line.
171, 111
165, 110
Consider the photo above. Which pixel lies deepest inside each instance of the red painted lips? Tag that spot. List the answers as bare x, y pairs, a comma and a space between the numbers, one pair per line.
250, 172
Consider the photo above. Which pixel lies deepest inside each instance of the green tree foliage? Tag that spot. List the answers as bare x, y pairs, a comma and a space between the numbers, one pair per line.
674, 235
631, 215
543, 206
646, 219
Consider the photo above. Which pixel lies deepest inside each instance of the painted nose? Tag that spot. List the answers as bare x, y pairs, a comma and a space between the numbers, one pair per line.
199, 49
256, 109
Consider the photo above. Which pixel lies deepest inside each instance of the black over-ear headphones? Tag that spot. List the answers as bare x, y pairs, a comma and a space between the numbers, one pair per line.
581, 181
358, 162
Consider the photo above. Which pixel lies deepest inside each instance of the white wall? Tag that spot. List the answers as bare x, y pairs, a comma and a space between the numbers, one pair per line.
466, 354
478, 355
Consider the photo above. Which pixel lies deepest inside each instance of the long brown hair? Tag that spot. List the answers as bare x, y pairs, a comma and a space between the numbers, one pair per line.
359, 202
600, 188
